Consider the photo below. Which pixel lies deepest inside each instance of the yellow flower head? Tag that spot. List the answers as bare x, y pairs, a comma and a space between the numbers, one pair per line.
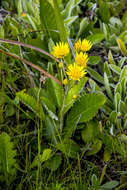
60, 50
23, 14
81, 59
65, 81
86, 45
77, 45
75, 96
75, 72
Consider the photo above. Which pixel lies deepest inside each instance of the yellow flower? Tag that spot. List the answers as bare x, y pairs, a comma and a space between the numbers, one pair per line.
60, 65
65, 81
78, 45
86, 45
81, 59
75, 96
23, 14
60, 50
75, 72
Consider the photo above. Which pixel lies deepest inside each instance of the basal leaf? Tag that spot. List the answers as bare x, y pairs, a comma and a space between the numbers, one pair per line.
83, 110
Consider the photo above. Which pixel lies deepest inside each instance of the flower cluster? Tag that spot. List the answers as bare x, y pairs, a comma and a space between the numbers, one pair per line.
76, 70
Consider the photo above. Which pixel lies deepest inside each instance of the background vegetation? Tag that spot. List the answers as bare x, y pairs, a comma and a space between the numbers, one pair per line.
49, 139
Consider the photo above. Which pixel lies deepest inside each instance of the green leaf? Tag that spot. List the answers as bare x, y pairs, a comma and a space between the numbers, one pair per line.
68, 9
7, 155
124, 17
94, 86
104, 11
47, 153
118, 88
10, 110
69, 148
123, 85
75, 90
123, 73
123, 36
83, 25
109, 185
53, 163
115, 69
117, 99
59, 21
95, 182
56, 92
107, 70
96, 38
122, 46
95, 75
107, 86
91, 131
83, 110
51, 130
110, 58
95, 148
70, 20
48, 21
121, 62
122, 107
106, 31
94, 60
31, 103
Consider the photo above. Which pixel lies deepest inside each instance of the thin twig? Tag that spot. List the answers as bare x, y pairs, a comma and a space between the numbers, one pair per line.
28, 46
32, 65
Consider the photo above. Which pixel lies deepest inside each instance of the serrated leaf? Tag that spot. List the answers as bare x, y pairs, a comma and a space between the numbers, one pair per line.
7, 155
31, 103
83, 110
